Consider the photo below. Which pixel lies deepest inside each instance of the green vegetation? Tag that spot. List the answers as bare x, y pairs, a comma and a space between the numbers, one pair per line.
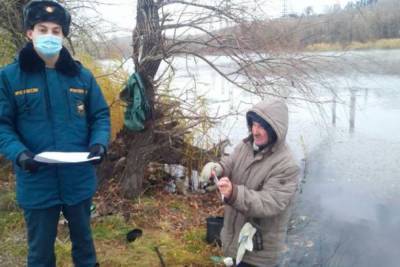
7, 201
10, 222
178, 246
12, 238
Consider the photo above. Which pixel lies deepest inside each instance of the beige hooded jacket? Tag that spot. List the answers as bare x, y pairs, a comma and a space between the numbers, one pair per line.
264, 186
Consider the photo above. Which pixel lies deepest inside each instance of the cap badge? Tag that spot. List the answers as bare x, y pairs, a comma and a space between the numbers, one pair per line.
49, 9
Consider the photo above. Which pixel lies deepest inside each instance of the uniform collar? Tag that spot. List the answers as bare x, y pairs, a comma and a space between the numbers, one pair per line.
30, 61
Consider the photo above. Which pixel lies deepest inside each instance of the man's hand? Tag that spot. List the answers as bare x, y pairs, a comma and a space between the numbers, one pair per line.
97, 150
26, 162
209, 170
225, 187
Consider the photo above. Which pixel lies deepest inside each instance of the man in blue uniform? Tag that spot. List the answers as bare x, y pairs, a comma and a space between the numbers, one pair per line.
49, 102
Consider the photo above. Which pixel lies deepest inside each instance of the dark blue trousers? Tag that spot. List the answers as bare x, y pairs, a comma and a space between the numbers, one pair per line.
42, 231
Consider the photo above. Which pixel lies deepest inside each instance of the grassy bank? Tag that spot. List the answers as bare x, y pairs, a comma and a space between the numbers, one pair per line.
377, 44
173, 224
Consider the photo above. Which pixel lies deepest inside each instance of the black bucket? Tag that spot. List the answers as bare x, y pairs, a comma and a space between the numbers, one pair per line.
214, 226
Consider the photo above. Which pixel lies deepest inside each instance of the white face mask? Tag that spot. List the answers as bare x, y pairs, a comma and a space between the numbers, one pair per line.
48, 45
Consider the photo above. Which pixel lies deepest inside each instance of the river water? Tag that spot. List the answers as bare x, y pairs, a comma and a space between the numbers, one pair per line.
348, 206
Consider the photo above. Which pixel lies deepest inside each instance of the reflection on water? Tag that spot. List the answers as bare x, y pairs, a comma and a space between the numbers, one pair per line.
352, 110
351, 199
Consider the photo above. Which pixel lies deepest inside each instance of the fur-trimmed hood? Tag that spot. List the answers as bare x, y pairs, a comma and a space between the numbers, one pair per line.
30, 61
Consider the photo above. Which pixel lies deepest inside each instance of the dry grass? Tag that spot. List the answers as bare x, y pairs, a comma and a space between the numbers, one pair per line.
377, 44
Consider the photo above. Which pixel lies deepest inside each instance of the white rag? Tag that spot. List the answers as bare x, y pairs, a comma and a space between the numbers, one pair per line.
245, 241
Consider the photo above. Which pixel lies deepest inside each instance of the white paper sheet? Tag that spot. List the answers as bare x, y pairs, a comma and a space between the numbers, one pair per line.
63, 157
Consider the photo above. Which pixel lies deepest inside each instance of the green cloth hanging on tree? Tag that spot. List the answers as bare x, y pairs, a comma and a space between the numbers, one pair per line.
138, 109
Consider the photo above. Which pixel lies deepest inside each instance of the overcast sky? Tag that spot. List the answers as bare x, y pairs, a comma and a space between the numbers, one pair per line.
122, 12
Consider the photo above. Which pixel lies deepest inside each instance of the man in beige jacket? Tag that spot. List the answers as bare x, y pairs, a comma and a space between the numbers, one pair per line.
259, 181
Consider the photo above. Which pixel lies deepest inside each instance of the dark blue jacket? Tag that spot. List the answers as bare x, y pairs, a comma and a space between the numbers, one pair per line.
60, 109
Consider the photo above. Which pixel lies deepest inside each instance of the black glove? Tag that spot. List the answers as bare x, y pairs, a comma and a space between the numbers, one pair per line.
26, 162
97, 150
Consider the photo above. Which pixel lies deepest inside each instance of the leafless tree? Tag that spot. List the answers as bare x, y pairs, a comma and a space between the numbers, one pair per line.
166, 29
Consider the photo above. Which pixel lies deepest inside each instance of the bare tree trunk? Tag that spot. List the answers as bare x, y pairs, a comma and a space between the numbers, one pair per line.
140, 152
146, 55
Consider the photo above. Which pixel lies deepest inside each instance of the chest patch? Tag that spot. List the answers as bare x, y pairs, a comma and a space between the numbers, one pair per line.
80, 108
77, 91
27, 91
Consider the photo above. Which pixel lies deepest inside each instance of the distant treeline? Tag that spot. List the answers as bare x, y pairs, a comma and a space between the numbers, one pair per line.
359, 22
363, 21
